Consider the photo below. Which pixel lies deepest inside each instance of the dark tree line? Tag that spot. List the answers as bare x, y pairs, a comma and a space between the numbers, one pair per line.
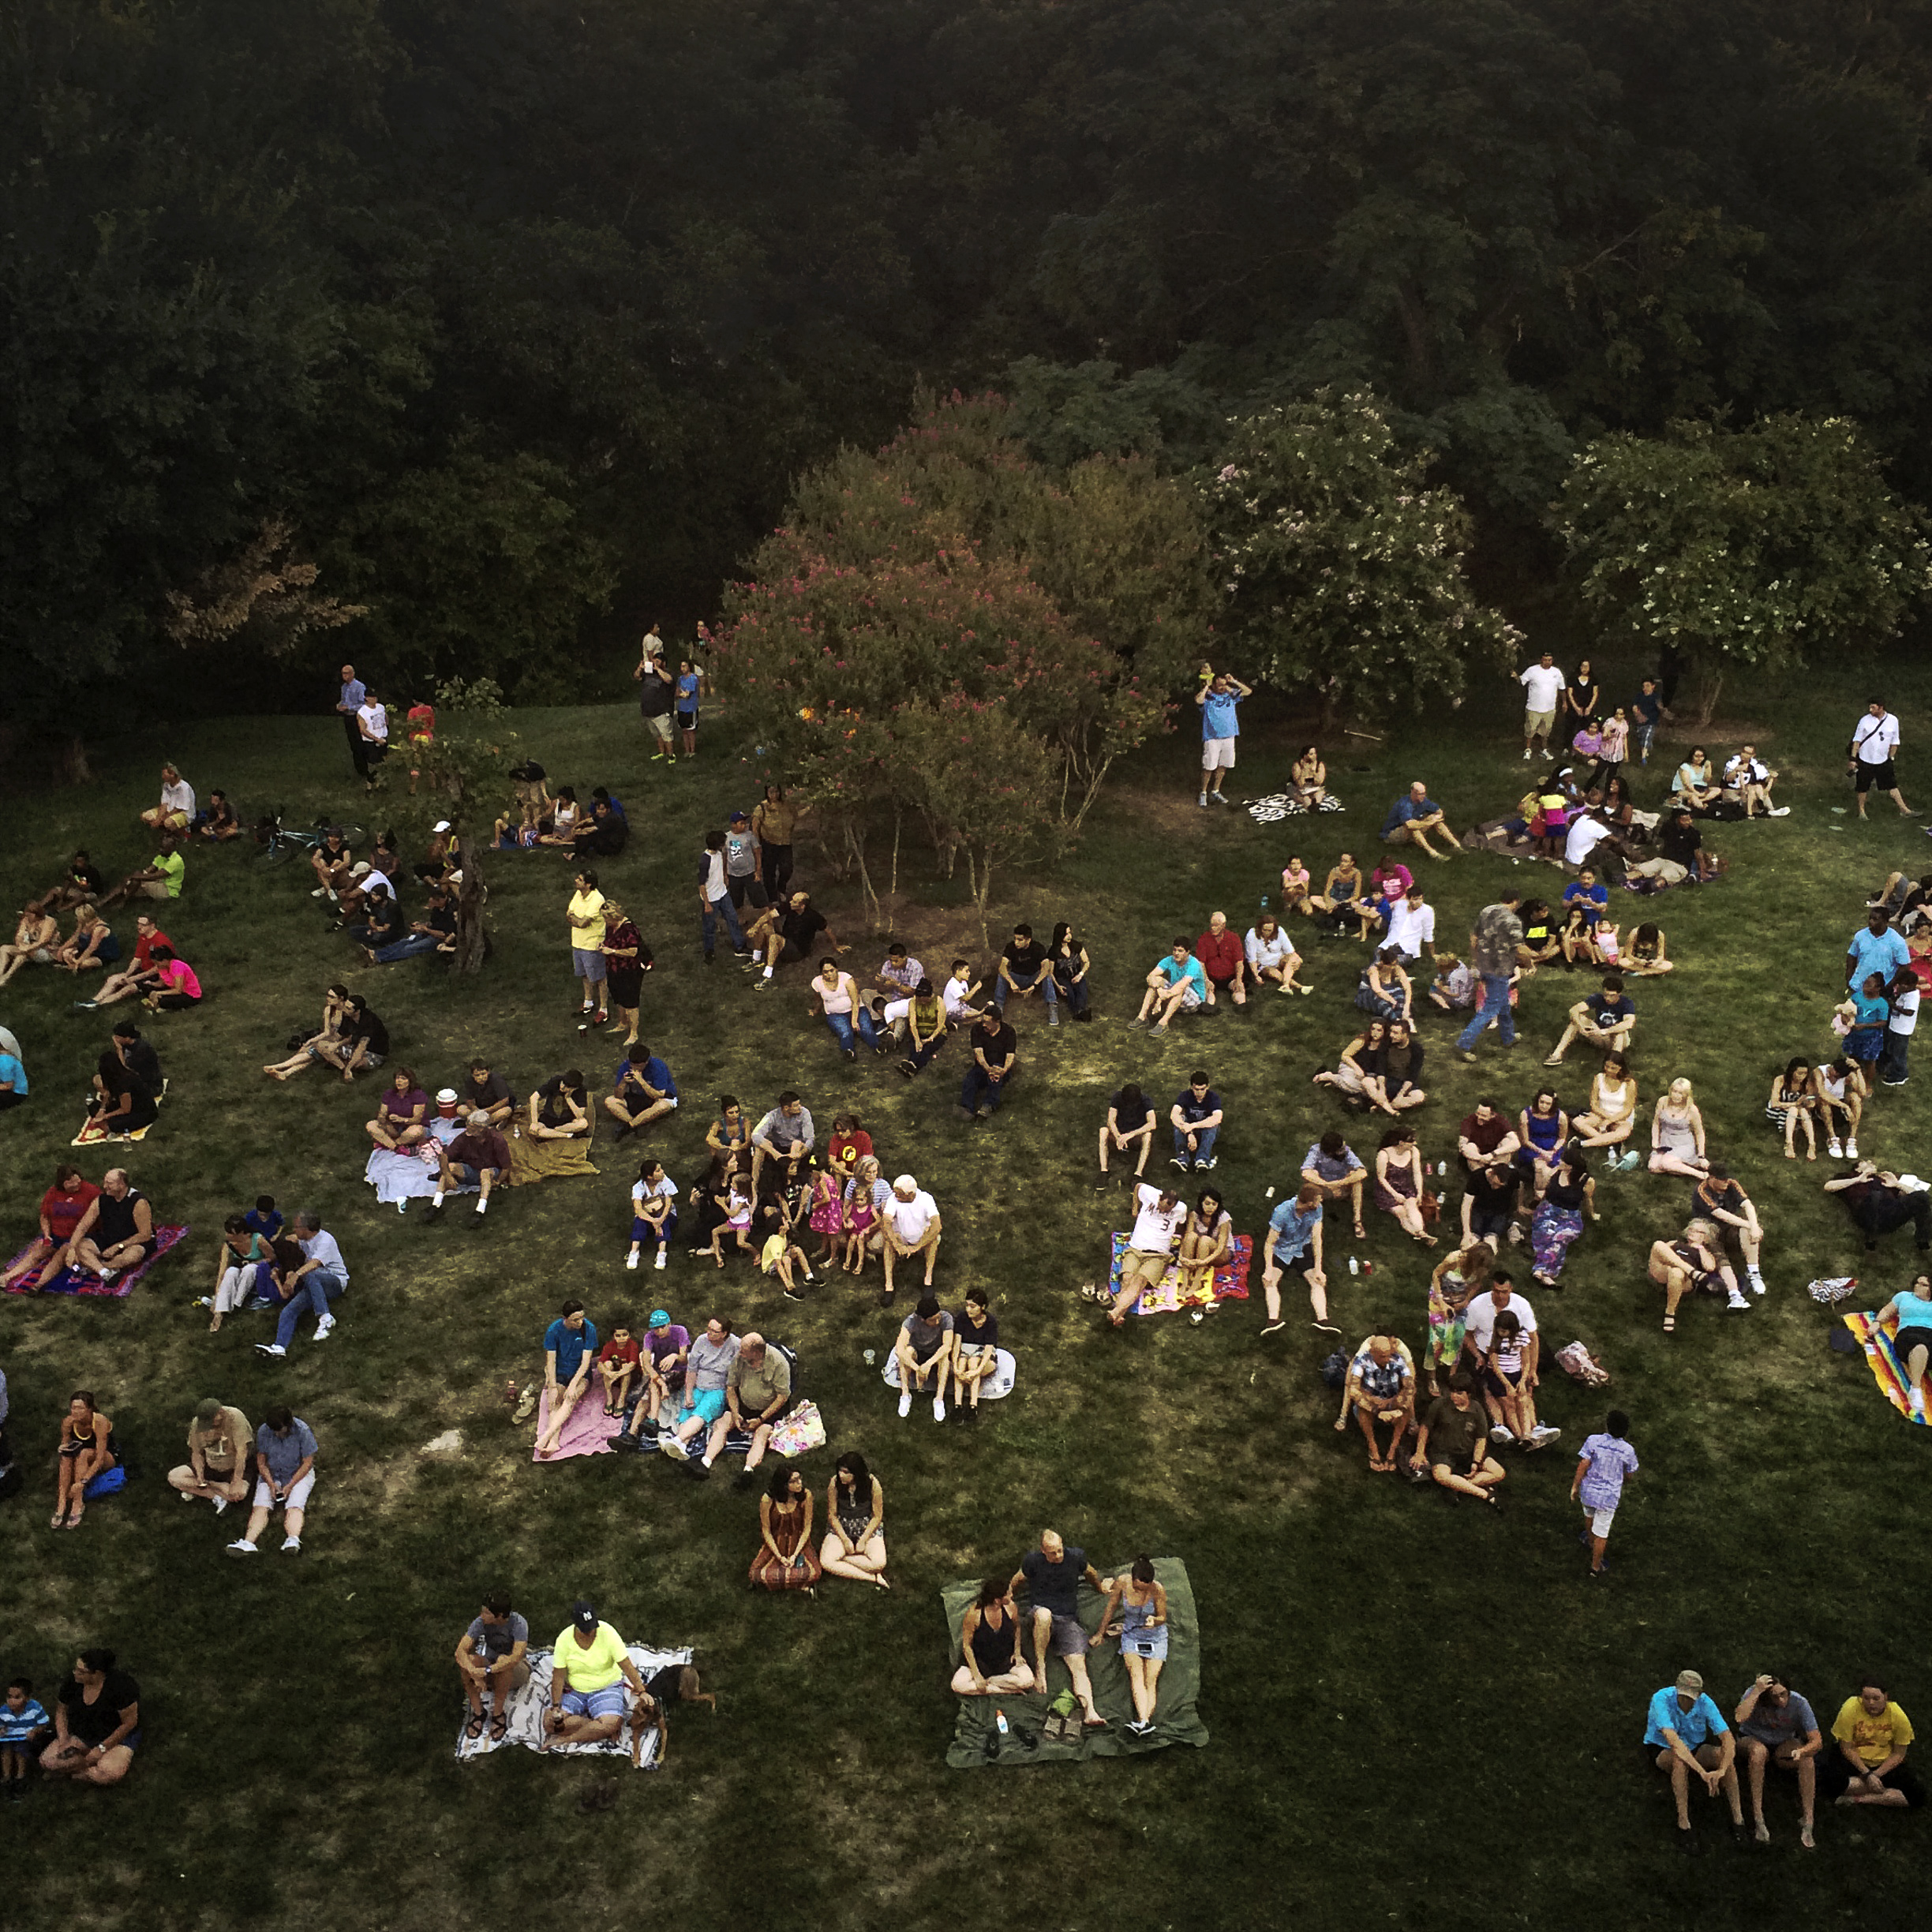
513, 320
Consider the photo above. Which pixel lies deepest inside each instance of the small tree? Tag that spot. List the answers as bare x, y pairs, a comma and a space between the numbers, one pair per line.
1754, 547
1340, 570
467, 763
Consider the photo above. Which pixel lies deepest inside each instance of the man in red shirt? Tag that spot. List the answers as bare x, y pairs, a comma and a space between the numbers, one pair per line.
1220, 954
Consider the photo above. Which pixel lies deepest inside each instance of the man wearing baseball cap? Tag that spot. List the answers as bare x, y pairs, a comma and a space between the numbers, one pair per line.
1686, 1737
586, 1703
912, 1226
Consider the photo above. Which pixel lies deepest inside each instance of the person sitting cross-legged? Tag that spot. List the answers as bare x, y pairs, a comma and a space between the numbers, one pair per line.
855, 1542
1380, 1388
221, 1445
1685, 1736
490, 1656
1868, 1767
1778, 1727
1178, 984
587, 1702
1452, 1446
643, 1091
992, 1663
923, 1350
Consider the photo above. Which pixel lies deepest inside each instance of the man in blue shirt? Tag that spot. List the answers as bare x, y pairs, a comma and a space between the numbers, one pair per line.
1412, 817
643, 1090
1195, 1118
570, 1347
1218, 699
1686, 1737
1178, 983
1294, 1240
1606, 1020
1876, 950
1586, 887
353, 693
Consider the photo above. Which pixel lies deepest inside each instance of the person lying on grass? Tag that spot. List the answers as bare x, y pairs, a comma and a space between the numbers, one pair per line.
1911, 1344
1450, 1444
570, 1348
676, 1683
1880, 1201
1380, 1389
489, 1657
586, 1702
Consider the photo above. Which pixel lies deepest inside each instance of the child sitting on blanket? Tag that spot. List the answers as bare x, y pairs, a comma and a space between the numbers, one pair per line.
676, 1683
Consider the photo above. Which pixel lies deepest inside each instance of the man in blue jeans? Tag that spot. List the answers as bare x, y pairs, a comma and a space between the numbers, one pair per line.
1195, 1118
322, 1276
1023, 969
1493, 941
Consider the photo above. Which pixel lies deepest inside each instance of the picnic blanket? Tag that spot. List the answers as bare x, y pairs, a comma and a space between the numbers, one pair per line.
588, 1431
93, 1134
80, 1282
1279, 805
1230, 1279
1000, 1383
407, 1174
1887, 1370
1175, 1721
526, 1709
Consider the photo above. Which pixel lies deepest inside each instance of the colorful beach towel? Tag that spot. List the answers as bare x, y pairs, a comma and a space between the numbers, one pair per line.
1230, 1280
587, 1432
93, 1134
79, 1282
526, 1710
1887, 1370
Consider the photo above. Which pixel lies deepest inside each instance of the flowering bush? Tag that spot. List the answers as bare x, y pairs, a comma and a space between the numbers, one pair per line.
1754, 546
1338, 569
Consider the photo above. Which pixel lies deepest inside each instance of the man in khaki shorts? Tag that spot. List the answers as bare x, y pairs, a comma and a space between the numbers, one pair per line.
1162, 1215
1543, 689
220, 1443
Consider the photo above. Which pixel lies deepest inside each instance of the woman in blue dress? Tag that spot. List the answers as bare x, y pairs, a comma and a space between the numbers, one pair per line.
1137, 1608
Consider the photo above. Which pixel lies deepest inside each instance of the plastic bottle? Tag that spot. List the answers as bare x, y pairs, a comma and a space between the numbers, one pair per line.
1354, 1266
999, 1717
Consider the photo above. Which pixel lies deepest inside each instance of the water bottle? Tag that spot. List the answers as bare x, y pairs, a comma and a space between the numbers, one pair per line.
1354, 1266
871, 1356
1264, 902
999, 1718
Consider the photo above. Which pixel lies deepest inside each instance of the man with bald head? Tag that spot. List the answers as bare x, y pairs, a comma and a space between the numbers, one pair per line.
1051, 1576
1219, 952
757, 1387
910, 1221
118, 1231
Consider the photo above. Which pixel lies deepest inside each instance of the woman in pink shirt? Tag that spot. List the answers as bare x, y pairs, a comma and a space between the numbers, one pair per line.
178, 985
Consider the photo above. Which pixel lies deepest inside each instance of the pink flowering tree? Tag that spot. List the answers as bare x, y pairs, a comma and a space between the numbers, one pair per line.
1340, 570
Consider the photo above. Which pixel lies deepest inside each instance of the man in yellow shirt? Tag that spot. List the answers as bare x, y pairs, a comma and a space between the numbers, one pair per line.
586, 1702
586, 932
1868, 1767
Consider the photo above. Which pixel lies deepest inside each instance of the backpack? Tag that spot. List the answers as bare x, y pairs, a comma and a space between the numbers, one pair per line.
1334, 1370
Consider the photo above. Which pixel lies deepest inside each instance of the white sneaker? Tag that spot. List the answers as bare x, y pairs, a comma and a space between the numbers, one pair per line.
1850, 1150
221, 1503
1544, 1432
668, 1442
1527, 755
1756, 1283
938, 1408
1780, 811
273, 1348
1916, 1398
630, 1260
242, 1546
321, 891
291, 1546
1835, 1149
905, 1402
661, 1259
325, 1327
483, 1204
1737, 1301
1499, 1434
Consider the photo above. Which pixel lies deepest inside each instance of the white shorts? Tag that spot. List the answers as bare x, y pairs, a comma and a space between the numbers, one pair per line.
1217, 755
296, 1498
1600, 1520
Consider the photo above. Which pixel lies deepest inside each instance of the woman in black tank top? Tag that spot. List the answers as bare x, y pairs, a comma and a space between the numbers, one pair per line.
991, 1663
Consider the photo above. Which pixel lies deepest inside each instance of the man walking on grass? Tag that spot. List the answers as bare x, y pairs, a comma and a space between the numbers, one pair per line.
1493, 941
1874, 745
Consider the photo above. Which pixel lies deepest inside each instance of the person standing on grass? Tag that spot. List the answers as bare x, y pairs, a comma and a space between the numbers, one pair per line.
1493, 941
774, 824
1686, 1737
1543, 695
1294, 1240
1219, 699
1900, 1028
1869, 757
1450, 1444
354, 692
586, 915
1646, 710
1605, 1463
1778, 1727
586, 1703
1868, 1767
1051, 1577
570, 1349
372, 720
1876, 948
656, 699
715, 901
489, 1655
285, 1457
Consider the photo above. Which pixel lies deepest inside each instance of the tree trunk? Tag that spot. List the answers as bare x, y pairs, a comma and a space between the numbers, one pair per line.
980, 881
1710, 684
470, 897
856, 848
897, 817
73, 761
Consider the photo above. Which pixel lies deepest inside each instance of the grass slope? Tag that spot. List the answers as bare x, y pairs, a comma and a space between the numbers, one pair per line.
1413, 1708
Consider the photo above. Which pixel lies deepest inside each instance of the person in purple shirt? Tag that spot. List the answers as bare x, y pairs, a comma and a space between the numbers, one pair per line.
1605, 1463
353, 694
667, 1344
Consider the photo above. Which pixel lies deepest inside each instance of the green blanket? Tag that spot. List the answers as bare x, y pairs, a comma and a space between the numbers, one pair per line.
1175, 1718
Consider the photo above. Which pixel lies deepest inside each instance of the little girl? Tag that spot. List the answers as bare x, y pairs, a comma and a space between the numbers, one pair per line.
1607, 948
1294, 891
1579, 944
779, 1257
737, 1218
1455, 984
860, 1215
827, 1217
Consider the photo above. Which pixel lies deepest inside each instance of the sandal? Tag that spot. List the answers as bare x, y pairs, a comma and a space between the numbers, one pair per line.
473, 1729
1670, 1324
499, 1727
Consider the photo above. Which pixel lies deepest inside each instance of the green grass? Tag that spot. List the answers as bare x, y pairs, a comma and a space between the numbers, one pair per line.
1414, 1710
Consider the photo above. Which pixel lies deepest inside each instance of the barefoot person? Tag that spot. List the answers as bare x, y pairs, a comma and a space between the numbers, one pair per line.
855, 1543
1051, 1576
96, 1723
586, 1703
490, 1656
570, 1348
1869, 1768
991, 1661
1686, 1736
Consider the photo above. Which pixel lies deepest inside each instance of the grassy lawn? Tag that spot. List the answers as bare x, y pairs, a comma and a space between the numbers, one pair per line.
1415, 1709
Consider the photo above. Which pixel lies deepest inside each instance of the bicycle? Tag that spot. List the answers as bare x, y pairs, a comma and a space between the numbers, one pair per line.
279, 845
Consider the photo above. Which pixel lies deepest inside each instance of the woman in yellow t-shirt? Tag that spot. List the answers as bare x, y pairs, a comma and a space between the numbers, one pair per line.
586, 932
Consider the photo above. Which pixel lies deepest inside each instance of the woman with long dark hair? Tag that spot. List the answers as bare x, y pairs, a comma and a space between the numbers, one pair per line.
855, 1543
785, 1561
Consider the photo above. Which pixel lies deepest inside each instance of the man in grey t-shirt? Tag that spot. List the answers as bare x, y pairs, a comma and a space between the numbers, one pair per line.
785, 1135
1775, 1725
924, 1350
490, 1656
705, 1369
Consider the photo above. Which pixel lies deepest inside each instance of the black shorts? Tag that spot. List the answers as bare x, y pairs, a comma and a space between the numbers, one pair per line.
1907, 1339
1881, 776
1834, 1774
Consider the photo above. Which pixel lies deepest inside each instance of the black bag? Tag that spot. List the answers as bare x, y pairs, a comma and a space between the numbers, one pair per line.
1334, 1370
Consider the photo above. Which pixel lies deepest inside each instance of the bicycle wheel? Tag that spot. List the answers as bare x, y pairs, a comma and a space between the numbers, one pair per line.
278, 851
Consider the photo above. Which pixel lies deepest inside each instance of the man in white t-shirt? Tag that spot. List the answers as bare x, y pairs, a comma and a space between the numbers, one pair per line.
1586, 834
1543, 689
178, 803
1874, 744
1411, 925
373, 722
1479, 1332
911, 1224
1162, 1215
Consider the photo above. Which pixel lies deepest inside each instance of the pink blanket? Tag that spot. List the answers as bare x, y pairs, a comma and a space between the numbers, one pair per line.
587, 1432
78, 1281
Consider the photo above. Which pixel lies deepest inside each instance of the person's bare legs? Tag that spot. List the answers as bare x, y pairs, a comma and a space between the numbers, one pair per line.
1043, 1630
563, 1402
